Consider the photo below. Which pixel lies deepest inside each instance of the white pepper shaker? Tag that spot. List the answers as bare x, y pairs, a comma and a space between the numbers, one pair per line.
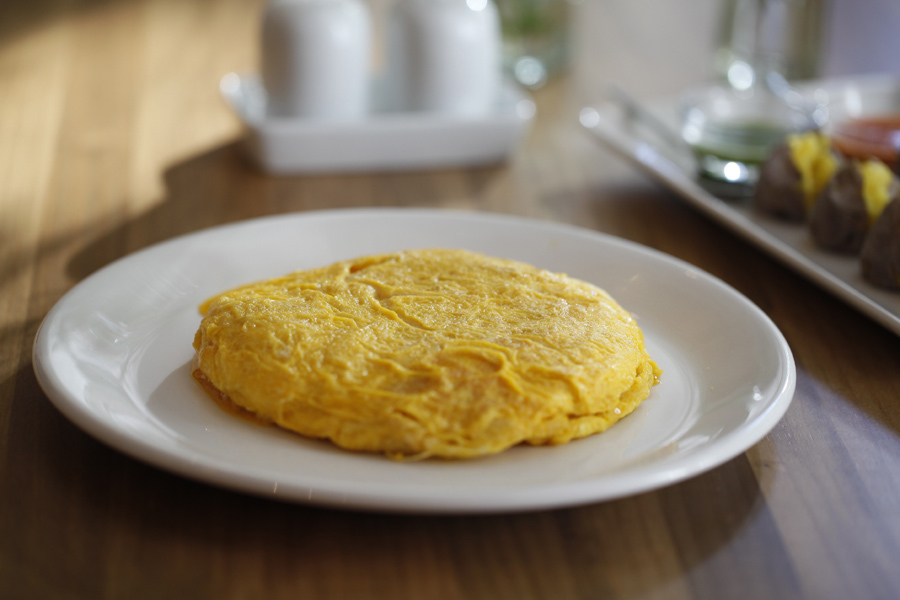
444, 56
315, 58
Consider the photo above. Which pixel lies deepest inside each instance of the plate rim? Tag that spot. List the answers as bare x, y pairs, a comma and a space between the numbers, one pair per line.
556, 496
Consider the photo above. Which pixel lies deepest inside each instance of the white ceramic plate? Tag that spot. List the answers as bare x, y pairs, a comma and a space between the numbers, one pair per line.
385, 141
788, 242
114, 356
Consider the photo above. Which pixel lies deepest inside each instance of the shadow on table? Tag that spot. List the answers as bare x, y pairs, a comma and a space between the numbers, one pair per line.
18, 17
219, 187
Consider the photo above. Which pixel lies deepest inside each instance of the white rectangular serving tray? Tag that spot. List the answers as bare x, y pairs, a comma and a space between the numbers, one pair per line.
789, 242
384, 141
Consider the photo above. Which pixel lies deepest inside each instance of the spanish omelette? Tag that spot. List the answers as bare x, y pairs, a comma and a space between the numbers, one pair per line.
426, 353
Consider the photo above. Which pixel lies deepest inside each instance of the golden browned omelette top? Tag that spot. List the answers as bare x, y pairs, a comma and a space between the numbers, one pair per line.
426, 353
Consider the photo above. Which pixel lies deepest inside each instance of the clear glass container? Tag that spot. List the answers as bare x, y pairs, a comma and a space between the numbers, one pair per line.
732, 132
784, 35
535, 39
764, 43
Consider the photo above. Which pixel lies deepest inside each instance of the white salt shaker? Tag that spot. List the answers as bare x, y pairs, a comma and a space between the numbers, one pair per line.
315, 58
443, 56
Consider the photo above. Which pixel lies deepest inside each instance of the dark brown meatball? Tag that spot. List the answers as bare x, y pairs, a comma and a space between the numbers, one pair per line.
839, 220
779, 191
881, 251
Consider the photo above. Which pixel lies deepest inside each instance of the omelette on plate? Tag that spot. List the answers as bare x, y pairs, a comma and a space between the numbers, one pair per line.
443, 353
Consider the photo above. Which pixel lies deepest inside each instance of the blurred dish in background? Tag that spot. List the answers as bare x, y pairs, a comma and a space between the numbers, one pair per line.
671, 165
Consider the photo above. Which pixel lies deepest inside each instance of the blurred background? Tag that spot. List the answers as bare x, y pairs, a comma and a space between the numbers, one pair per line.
82, 77
114, 136
594, 42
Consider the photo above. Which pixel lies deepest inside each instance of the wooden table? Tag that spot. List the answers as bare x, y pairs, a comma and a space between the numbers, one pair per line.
112, 137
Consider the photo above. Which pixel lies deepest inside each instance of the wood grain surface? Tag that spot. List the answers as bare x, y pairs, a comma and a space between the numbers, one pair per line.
113, 137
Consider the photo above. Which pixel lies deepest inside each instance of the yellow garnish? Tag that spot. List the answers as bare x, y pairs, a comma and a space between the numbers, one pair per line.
876, 183
811, 154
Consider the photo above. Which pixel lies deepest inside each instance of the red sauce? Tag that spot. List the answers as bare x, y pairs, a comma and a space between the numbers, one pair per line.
872, 137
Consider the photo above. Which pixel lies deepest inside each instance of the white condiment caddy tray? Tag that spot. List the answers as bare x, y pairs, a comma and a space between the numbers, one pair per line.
385, 141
